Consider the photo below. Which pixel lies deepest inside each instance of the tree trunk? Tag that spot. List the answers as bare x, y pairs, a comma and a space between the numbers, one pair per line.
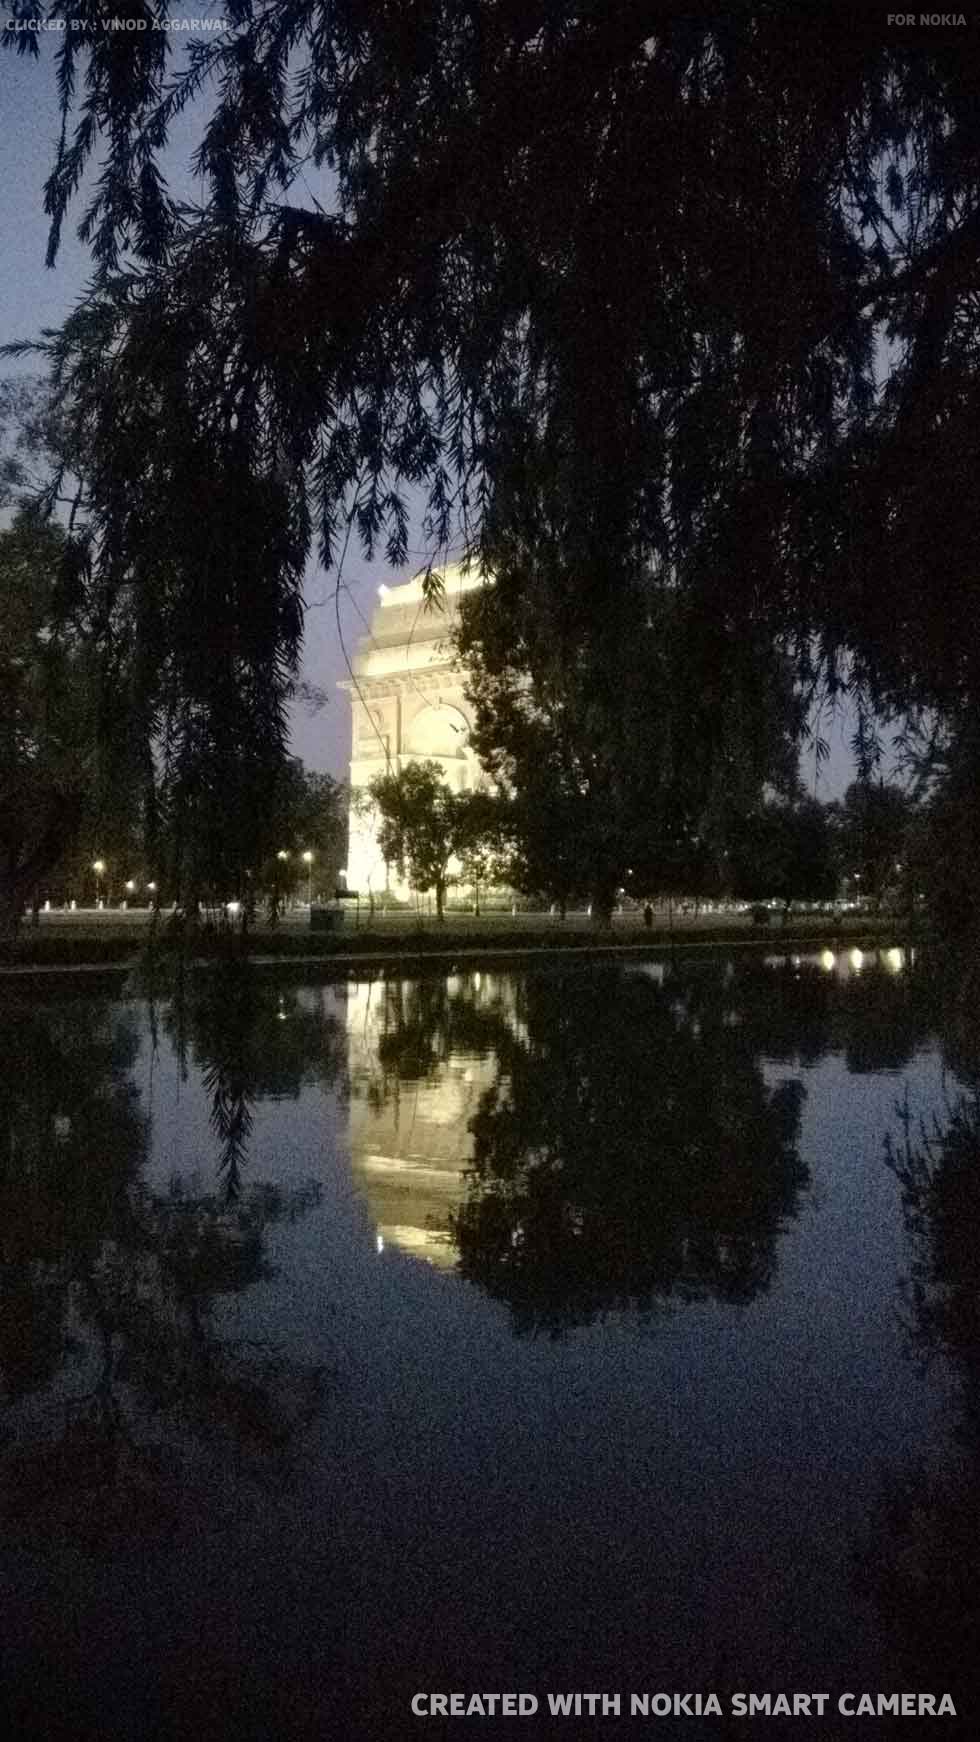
11, 906
603, 904
440, 899
21, 875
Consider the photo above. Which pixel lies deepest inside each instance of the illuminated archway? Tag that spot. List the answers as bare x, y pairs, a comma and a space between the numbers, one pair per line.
436, 731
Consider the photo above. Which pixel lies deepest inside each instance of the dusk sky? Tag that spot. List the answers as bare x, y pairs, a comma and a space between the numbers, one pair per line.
33, 297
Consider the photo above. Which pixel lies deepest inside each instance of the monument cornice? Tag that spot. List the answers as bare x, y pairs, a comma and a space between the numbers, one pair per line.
445, 677
402, 683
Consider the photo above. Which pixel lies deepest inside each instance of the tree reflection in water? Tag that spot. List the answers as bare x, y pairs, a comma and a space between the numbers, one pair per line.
620, 1142
924, 1562
426, 1023
630, 1152
799, 1009
112, 1359
251, 1041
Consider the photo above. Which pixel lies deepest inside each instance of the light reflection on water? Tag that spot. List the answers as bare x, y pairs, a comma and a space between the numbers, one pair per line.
570, 1298
411, 1140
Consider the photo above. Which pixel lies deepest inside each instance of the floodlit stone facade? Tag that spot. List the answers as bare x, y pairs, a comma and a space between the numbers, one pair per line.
407, 705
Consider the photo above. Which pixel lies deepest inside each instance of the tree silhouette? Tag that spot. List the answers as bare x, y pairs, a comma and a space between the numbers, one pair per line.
110, 1352
630, 1154
251, 1040
921, 1561
688, 303
582, 1192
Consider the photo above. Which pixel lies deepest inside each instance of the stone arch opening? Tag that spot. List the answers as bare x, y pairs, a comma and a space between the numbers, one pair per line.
438, 731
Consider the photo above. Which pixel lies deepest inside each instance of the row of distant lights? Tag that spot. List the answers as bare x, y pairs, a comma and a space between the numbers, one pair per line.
235, 907
100, 867
894, 959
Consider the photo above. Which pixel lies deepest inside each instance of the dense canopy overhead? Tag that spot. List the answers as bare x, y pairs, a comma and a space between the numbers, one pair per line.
686, 299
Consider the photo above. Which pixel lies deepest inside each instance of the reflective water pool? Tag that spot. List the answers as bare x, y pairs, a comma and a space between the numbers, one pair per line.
601, 1327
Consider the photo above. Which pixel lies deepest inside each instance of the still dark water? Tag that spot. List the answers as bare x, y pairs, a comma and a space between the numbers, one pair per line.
601, 1328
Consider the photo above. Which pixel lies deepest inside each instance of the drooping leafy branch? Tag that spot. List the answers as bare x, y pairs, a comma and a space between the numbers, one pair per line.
689, 299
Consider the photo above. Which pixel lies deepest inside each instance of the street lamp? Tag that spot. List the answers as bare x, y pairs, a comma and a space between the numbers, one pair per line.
99, 867
283, 858
307, 858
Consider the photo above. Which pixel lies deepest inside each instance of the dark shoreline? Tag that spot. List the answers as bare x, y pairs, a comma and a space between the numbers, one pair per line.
40, 955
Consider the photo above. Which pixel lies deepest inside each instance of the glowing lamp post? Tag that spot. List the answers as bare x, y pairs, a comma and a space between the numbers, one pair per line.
99, 867
307, 858
283, 858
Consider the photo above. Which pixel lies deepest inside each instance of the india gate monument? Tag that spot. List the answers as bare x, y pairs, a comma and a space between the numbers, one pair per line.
407, 705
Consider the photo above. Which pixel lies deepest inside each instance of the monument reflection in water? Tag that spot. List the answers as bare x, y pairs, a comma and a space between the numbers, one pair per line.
584, 1139
421, 1059
641, 1411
